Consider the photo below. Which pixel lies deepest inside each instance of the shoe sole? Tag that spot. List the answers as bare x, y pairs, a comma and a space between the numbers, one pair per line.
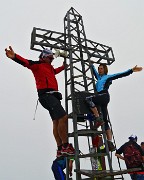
112, 149
59, 155
68, 154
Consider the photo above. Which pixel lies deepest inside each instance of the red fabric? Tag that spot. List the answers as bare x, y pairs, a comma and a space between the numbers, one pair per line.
44, 73
132, 156
95, 141
136, 173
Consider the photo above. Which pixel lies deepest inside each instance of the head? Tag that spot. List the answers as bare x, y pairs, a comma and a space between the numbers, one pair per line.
102, 69
46, 55
142, 145
133, 138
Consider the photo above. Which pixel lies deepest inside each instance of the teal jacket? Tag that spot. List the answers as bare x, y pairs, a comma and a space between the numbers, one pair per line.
104, 81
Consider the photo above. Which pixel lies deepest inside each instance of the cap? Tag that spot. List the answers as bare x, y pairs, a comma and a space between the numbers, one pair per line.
45, 52
133, 137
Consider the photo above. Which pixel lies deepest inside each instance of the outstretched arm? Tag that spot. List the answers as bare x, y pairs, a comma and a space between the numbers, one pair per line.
125, 73
119, 152
137, 69
15, 57
119, 156
10, 53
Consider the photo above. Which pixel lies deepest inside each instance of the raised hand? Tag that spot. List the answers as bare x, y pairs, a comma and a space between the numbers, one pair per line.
137, 69
65, 65
10, 53
92, 62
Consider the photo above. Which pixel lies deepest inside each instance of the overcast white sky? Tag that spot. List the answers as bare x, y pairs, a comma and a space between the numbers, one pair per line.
27, 147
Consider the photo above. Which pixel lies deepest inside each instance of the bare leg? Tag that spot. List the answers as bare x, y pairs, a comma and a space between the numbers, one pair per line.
63, 133
95, 111
63, 129
111, 146
55, 132
109, 134
92, 106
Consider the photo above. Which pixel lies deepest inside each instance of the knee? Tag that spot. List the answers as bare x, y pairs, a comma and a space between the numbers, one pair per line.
107, 126
64, 119
55, 124
90, 102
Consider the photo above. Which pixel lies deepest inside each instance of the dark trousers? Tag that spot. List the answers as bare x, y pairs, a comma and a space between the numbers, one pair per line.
137, 176
102, 100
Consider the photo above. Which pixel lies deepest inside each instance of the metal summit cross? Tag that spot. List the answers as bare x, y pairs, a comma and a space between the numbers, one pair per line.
78, 76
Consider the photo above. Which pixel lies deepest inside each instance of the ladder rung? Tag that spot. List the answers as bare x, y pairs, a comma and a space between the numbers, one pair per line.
104, 173
85, 132
92, 155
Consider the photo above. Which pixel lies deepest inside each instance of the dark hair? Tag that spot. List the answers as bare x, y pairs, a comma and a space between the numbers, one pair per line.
105, 67
142, 143
133, 138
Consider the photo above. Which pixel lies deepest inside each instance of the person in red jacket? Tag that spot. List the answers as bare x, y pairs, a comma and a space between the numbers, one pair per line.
49, 97
133, 156
142, 146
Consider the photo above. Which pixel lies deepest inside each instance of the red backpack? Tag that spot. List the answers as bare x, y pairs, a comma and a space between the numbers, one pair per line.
133, 157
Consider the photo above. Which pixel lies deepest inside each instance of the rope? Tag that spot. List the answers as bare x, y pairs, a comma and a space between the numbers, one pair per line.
35, 110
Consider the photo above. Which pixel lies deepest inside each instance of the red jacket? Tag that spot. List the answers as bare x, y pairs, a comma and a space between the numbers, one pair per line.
44, 73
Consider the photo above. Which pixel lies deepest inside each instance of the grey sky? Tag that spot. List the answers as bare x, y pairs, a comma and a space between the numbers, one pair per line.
27, 147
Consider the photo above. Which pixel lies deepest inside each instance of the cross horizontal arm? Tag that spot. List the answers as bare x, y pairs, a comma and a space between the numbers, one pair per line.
41, 38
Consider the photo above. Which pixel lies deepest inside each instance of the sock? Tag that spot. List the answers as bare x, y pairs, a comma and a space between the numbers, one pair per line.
110, 140
65, 145
59, 147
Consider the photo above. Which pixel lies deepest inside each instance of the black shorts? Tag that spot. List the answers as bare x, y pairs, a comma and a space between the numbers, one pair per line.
53, 105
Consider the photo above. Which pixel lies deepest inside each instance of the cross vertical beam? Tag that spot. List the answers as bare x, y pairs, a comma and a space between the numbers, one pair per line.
78, 76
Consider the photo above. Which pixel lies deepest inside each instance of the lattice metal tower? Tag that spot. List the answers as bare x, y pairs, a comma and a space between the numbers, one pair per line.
78, 79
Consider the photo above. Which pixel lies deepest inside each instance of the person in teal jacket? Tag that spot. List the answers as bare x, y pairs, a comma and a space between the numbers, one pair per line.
104, 80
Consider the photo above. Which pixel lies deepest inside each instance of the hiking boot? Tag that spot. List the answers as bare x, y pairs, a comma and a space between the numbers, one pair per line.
59, 154
103, 150
69, 150
111, 146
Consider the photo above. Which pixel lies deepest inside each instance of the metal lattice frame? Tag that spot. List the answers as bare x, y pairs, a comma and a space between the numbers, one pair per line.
79, 76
